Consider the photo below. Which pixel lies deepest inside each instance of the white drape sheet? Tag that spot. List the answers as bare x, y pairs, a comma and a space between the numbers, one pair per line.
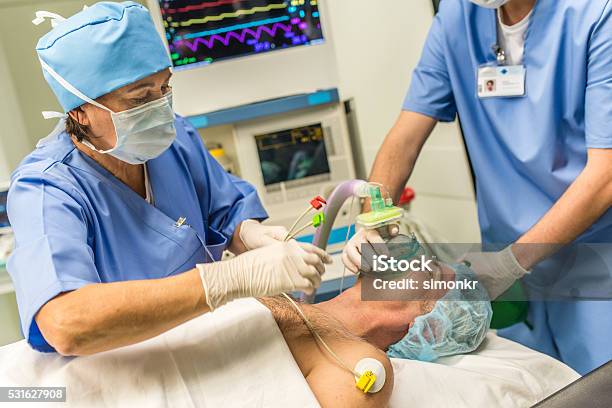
237, 357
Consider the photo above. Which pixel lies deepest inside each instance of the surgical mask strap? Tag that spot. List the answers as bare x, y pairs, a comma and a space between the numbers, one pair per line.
70, 88
42, 15
52, 115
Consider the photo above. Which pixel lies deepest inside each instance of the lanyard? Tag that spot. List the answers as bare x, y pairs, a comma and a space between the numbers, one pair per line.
498, 51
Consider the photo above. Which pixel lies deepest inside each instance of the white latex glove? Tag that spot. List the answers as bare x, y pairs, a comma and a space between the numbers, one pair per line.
496, 271
351, 254
267, 271
254, 234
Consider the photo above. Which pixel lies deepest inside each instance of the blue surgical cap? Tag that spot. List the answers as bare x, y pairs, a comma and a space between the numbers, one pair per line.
100, 49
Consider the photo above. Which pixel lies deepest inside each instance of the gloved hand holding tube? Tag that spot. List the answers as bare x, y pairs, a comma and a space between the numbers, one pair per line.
266, 271
351, 254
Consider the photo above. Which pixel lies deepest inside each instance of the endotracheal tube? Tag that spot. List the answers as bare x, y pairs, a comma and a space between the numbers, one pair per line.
369, 373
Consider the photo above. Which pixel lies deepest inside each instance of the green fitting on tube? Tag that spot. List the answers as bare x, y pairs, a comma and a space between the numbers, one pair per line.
376, 200
318, 220
383, 211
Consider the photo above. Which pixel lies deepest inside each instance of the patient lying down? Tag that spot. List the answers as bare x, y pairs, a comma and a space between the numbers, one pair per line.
453, 323
331, 384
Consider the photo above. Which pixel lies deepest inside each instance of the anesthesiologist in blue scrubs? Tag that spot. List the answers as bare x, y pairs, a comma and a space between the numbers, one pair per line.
531, 81
120, 215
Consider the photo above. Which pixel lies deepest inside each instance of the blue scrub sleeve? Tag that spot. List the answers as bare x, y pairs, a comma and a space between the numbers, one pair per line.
52, 254
230, 199
598, 105
430, 90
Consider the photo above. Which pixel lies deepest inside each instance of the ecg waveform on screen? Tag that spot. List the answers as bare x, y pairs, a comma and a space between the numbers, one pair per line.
234, 14
240, 37
207, 31
197, 6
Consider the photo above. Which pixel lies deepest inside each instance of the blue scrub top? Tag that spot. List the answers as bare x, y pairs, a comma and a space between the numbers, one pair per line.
525, 151
76, 224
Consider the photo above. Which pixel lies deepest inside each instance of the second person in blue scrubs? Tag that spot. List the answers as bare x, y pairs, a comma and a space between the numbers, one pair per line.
542, 155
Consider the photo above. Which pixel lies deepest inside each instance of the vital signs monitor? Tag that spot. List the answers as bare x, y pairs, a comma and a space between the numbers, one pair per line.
205, 31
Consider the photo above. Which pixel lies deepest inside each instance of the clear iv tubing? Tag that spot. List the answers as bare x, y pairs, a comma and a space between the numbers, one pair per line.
320, 339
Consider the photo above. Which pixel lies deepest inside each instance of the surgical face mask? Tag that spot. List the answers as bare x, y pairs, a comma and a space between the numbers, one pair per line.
457, 324
142, 133
492, 4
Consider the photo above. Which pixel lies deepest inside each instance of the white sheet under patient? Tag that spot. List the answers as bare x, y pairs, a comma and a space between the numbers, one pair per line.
237, 357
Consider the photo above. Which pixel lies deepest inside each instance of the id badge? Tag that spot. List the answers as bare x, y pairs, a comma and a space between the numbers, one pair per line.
501, 81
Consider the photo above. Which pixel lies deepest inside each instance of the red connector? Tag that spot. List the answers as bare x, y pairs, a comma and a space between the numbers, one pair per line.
407, 196
318, 202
